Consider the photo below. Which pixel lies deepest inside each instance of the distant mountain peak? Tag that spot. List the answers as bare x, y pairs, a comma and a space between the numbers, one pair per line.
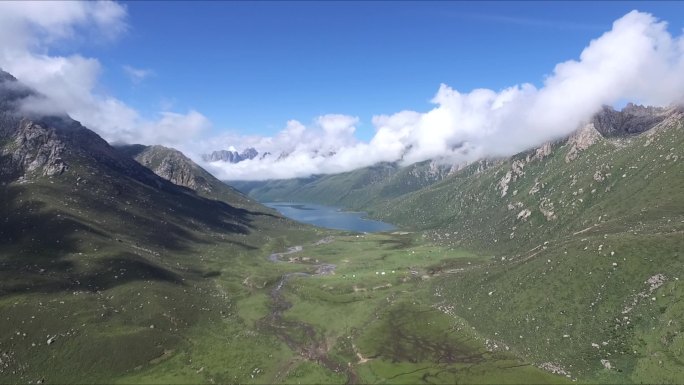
231, 156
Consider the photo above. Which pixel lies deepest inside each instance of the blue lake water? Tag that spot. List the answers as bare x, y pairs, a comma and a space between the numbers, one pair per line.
330, 217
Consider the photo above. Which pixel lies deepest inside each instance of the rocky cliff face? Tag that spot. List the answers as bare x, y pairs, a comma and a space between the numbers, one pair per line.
581, 140
249, 153
171, 165
433, 171
231, 156
633, 119
25, 145
177, 168
33, 148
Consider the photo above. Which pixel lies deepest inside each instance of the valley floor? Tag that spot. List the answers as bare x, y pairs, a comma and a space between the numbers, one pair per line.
346, 309
330, 308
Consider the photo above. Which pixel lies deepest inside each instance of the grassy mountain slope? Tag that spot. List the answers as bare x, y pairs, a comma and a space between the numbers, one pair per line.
111, 273
106, 268
354, 189
177, 168
562, 260
586, 237
623, 184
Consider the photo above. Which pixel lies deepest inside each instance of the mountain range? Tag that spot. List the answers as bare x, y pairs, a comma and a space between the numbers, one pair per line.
86, 225
583, 236
131, 263
231, 156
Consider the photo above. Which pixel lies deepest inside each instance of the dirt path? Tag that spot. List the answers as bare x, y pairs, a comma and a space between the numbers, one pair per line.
300, 336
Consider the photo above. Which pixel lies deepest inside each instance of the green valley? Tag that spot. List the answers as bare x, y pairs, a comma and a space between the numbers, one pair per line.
132, 264
583, 238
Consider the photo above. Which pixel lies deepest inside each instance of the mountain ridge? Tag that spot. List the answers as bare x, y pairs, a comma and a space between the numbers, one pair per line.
177, 168
607, 123
87, 226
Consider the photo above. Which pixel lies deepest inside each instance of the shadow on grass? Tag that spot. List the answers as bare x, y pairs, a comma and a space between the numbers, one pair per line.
166, 217
403, 336
16, 276
398, 242
47, 248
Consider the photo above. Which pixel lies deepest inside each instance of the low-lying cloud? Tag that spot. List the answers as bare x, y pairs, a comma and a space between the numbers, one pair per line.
637, 60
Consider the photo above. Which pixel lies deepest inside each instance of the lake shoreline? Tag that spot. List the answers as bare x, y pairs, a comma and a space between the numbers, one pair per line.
330, 217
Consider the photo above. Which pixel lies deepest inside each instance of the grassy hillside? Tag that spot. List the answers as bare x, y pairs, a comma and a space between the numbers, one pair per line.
586, 247
622, 184
561, 264
583, 239
113, 274
106, 268
355, 189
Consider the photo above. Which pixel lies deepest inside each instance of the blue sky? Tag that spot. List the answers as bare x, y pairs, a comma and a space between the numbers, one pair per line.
327, 87
251, 66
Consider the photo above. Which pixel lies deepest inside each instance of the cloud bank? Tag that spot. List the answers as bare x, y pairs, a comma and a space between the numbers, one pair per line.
637, 60
29, 30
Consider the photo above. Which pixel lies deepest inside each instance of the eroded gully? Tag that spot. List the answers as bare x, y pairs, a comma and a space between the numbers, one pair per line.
299, 336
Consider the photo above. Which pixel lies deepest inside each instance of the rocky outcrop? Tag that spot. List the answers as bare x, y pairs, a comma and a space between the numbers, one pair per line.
249, 153
26, 146
38, 148
432, 171
581, 140
633, 119
231, 156
34, 146
222, 155
171, 165
32, 149
180, 170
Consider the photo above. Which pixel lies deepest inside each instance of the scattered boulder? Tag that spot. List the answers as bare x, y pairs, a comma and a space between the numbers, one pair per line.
606, 364
524, 214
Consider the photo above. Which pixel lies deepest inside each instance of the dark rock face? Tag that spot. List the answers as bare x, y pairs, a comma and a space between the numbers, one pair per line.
249, 153
633, 119
231, 156
222, 155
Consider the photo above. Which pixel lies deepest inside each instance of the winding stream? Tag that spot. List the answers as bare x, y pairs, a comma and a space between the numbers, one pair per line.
299, 336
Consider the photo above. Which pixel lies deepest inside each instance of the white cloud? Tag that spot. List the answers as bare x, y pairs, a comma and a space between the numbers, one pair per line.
137, 75
637, 60
28, 30
36, 24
